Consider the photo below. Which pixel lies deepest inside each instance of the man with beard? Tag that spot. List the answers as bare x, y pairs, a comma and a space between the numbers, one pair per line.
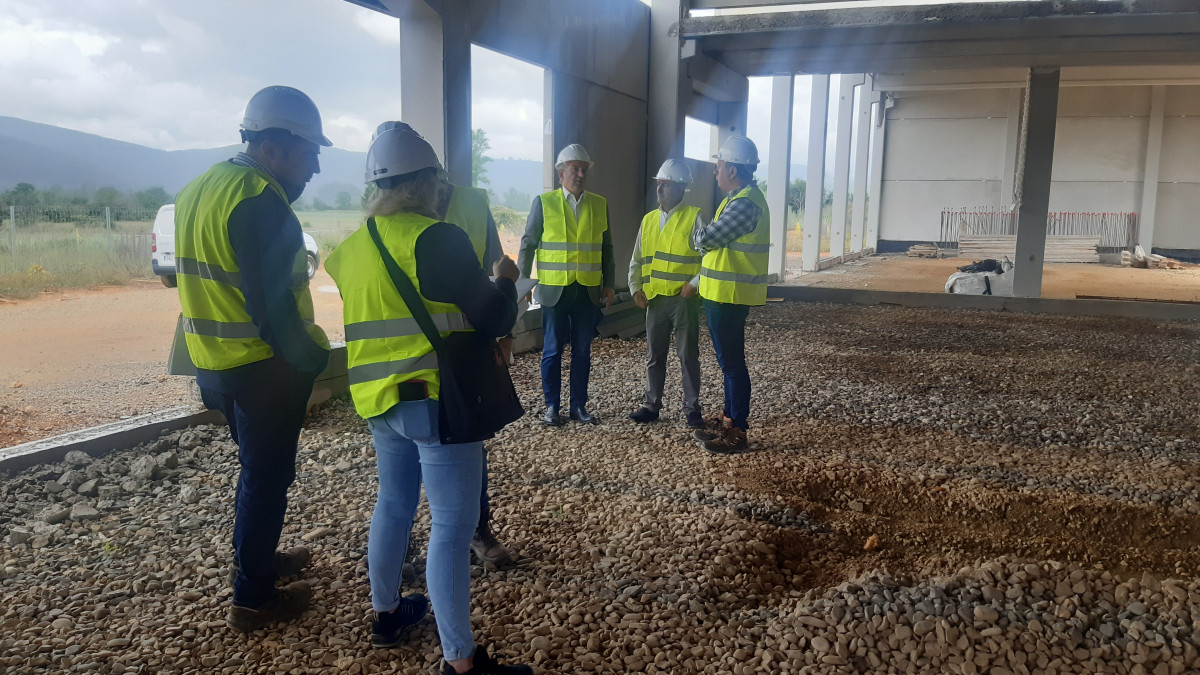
248, 323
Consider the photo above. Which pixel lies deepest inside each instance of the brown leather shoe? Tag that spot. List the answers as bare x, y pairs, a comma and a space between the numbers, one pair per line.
291, 561
289, 602
731, 442
716, 427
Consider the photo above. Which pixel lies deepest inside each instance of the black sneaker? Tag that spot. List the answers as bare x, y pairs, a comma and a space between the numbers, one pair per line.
289, 602
643, 415
388, 628
485, 665
695, 420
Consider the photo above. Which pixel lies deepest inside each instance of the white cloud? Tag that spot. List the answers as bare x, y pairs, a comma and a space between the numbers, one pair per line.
383, 28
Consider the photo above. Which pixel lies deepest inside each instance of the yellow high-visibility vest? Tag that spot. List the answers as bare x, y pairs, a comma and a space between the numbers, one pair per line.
384, 343
571, 250
737, 273
468, 210
667, 257
217, 328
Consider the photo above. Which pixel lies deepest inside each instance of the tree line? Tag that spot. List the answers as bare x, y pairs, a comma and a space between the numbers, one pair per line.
26, 195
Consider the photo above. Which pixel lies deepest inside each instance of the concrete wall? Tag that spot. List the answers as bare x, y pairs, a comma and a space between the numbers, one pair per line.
946, 148
942, 150
597, 54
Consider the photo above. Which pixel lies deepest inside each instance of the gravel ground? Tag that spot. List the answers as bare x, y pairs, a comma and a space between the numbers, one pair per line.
928, 491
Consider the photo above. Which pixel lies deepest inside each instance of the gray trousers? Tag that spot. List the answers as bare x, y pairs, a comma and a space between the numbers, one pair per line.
663, 314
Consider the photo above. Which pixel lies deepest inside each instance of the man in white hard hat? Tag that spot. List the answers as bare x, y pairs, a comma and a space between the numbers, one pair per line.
567, 233
248, 323
664, 277
468, 208
733, 278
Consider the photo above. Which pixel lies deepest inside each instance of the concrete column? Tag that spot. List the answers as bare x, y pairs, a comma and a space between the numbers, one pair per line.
875, 195
810, 256
456, 82
862, 131
669, 89
841, 163
422, 102
1012, 143
1035, 184
1158, 101
779, 169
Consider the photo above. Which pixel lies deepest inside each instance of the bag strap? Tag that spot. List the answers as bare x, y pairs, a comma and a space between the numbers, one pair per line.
408, 292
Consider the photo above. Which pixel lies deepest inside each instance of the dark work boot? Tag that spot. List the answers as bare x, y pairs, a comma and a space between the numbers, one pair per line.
643, 415
553, 419
713, 430
580, 414
486, 665
288, 603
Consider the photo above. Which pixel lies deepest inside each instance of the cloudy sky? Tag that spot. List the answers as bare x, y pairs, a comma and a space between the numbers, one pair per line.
176, 74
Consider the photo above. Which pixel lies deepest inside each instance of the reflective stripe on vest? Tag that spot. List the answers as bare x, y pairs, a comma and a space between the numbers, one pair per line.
468, 210
737, 272
668, 259
384, 344
217, 327
571, 250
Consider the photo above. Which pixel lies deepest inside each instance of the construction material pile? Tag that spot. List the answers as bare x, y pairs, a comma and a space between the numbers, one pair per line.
924, 493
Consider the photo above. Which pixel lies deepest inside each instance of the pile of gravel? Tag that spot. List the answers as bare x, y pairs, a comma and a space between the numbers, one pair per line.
928, 491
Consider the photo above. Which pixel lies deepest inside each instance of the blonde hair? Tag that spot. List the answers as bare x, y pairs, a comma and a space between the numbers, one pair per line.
416, 192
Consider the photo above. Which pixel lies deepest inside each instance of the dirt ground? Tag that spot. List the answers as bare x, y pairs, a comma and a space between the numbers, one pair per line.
90, 356
898, 272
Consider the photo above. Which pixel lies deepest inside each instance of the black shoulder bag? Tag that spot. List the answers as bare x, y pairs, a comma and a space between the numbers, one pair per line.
477, 397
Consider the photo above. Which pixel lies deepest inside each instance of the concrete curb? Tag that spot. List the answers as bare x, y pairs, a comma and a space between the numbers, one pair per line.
105, 438
1163, 311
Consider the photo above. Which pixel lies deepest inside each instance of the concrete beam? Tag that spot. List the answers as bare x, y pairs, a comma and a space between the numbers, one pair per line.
841, 163
950, 36
1035, 183
779, 168
810, 255
1158, 102
862, 131
717, 80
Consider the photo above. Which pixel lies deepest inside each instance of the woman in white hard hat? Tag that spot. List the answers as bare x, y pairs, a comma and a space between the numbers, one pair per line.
394, 381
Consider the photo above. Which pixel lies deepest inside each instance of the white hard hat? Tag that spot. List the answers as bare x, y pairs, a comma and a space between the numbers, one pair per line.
674, 170
738, 150
285, 108
572, 153
385, 126
396, 152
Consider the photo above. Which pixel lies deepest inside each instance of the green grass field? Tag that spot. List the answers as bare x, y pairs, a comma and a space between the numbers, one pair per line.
50, 256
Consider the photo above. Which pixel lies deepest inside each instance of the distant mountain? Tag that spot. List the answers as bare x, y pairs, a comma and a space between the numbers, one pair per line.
48, 156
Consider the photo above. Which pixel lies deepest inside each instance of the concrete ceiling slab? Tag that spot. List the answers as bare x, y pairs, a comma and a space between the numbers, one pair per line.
936, 37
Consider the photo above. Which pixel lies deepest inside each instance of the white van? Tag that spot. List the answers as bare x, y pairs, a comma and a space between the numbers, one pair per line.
162, 247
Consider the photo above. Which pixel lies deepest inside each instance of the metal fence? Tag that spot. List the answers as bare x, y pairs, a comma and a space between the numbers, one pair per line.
57, 238
1117, 231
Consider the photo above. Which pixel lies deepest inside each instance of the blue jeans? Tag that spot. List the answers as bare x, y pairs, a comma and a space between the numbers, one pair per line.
265, 413
572, 319
407, 451
727, 325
